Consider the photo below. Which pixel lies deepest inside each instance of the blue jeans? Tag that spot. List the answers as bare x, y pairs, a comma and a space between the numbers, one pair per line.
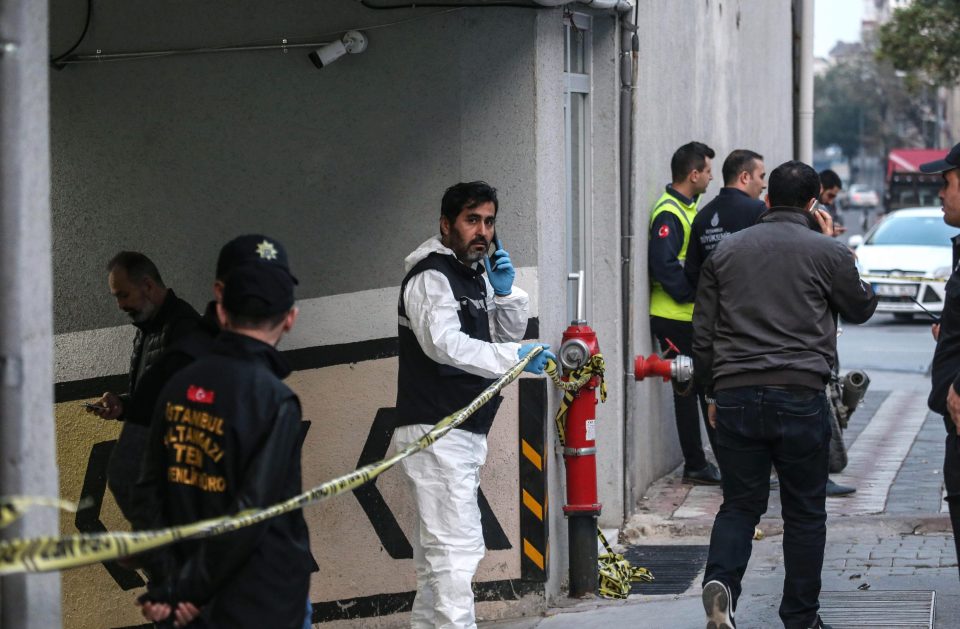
307, 619
788, 428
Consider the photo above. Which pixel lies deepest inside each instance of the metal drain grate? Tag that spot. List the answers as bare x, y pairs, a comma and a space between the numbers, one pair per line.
872, 608
674, 567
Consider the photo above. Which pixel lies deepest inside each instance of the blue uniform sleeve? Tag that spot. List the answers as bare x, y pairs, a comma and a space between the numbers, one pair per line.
666, 241
695, 255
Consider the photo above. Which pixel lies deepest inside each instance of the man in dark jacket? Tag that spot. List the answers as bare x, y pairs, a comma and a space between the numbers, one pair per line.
161, 318
764, 344
832, 185
945, 370
737, 206
232, 442
197, 343
187, 349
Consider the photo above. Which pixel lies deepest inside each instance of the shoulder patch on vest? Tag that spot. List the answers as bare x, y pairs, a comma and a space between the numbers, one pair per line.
664, 231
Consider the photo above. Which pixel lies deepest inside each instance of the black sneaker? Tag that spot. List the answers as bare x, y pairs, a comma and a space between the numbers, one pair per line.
821, 625
834, 490
717, 605
709, 475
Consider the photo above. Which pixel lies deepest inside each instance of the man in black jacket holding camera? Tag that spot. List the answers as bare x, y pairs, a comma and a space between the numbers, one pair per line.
764, 343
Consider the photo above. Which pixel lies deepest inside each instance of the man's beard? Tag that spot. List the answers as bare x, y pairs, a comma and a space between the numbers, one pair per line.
144, 314
465, 252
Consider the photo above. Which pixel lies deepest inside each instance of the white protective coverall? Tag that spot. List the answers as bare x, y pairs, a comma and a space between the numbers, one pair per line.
444, 479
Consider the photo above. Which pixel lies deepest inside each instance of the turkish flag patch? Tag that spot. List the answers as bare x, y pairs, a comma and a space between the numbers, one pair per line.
200, 395
664, 231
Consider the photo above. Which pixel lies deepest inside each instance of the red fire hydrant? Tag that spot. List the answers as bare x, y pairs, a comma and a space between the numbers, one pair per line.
679, 368
580, 459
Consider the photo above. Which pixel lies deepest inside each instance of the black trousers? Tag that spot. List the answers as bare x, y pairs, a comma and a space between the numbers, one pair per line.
951, 479
788, 428
680, 333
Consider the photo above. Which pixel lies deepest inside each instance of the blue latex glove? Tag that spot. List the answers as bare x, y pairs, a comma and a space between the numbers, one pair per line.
500, 270
539, 362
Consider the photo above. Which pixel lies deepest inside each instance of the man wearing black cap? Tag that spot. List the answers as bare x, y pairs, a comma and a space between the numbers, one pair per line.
231, 442
239, 251
945, 370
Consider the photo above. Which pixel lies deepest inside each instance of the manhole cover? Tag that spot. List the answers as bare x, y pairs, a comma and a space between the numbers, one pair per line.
674, 567
878, 608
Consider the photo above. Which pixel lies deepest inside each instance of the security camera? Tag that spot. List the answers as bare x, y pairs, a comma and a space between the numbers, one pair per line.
353, 42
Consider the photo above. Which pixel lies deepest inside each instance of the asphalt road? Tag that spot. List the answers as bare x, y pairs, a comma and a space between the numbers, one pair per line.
883, 343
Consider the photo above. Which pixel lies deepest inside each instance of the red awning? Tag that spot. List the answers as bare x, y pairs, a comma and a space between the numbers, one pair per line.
909, 160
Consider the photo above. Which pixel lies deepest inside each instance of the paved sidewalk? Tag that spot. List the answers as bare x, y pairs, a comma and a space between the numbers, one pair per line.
891, 537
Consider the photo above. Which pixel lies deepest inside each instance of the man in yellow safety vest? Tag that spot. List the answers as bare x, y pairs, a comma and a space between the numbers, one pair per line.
672, 295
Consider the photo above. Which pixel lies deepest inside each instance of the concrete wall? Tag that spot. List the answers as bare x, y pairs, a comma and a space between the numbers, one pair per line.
346, 166
719, 73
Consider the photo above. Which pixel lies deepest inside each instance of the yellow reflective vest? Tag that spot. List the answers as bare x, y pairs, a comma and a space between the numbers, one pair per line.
661, 303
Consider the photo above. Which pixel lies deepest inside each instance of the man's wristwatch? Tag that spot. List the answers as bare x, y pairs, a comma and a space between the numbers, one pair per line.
710, 400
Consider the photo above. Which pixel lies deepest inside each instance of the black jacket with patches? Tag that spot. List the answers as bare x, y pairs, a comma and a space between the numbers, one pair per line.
731, 211
767, 301
945, 368
227, 437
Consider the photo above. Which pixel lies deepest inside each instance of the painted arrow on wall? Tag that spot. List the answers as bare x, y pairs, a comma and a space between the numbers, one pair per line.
385, 524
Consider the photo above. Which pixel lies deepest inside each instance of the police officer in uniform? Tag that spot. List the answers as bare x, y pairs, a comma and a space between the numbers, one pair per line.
231, 442
945, 370
672, 294
460, 318
737, 206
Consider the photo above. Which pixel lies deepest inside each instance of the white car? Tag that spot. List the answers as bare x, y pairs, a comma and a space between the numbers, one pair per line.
907, 259
861, 196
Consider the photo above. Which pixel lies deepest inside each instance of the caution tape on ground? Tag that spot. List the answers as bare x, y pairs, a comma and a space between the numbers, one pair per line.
45, 554
616, 574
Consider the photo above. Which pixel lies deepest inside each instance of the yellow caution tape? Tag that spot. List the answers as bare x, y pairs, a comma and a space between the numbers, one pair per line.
615, 572
576, 381
45, 554
904, 278
12, 508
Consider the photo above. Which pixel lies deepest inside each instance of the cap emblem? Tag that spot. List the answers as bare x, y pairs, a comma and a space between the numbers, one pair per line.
266, 250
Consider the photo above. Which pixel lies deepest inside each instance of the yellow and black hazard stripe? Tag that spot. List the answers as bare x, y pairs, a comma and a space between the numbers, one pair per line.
534, 525
45, 554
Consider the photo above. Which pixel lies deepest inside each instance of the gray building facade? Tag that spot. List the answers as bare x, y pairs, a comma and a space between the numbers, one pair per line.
173, 154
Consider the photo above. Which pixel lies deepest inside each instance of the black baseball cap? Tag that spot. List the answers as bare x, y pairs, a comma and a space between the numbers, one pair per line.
951, 161
255, 249
258, 290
